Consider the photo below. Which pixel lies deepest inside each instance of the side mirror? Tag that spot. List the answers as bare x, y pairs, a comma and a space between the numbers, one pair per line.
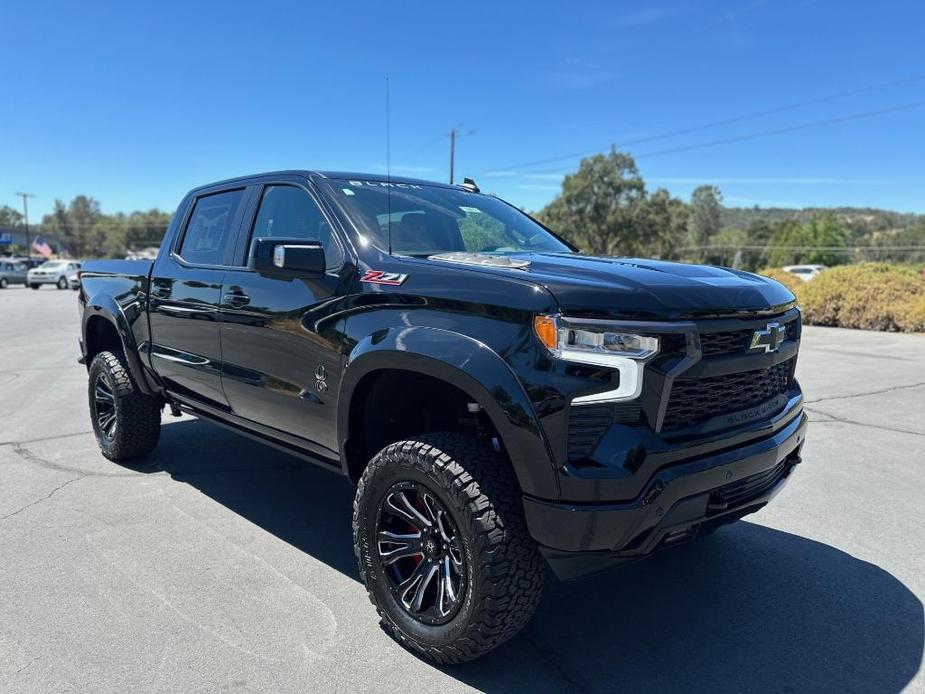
285, 257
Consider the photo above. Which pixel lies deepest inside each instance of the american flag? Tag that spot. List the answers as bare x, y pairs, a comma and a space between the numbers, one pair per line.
40, 246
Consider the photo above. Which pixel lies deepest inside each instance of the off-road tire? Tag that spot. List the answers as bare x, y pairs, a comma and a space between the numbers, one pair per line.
505, 569
137, 416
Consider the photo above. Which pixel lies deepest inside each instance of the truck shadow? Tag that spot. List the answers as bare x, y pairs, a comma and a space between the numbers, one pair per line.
749, 609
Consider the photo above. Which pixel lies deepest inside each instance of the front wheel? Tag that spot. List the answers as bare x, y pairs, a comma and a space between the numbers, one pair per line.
127, 423
34, 286
443, 548
3, 283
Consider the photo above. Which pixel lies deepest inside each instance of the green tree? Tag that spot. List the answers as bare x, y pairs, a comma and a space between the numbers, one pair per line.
726, 247
79, 225
898, 245
665, 222
819, 240
10, 217
705, 219
601, 206
134, 231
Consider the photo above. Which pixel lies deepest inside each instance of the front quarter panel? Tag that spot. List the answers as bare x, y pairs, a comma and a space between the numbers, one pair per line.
471, 366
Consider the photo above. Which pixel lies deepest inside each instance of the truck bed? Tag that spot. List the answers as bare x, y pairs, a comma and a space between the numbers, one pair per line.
120, 279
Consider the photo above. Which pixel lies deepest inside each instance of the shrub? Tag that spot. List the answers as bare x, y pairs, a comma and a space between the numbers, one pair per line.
793, 283
871, 296
911, 315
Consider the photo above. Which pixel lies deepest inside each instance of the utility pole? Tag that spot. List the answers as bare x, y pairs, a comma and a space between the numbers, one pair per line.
452, 152
454, 133
25, 211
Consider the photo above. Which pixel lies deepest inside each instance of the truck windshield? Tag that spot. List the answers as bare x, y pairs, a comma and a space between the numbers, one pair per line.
426, 220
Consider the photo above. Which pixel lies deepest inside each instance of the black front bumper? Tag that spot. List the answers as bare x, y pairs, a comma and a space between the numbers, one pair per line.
678, 503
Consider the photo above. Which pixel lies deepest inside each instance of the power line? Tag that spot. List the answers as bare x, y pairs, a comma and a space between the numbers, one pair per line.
789, 129
417, 150
774, 131
722, 122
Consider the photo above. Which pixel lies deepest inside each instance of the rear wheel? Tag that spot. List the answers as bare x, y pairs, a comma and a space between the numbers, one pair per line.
62, 283
3, 283
127, 423
443, 548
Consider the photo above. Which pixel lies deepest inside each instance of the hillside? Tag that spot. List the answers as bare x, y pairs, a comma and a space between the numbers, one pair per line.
860, 220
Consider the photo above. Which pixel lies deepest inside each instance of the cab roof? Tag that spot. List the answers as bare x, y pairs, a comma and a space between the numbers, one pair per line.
336, 175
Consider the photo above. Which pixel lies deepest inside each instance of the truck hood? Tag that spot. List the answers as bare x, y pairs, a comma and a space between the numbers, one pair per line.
638, 288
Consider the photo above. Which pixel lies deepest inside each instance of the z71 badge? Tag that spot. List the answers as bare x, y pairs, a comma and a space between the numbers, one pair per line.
382, 277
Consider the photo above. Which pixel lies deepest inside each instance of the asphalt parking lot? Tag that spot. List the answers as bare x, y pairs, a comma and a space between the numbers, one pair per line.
220, 564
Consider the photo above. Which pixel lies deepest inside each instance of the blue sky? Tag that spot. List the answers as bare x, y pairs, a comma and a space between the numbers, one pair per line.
135, 103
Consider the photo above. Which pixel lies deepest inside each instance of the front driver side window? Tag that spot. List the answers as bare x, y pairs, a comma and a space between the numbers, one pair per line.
289, 212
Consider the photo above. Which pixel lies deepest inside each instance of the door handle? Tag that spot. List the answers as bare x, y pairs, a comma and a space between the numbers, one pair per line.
236, 299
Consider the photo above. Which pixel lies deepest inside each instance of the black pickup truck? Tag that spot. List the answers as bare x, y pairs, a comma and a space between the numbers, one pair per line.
497, 398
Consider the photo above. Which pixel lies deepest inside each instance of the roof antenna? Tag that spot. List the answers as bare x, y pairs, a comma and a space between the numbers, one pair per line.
388, 162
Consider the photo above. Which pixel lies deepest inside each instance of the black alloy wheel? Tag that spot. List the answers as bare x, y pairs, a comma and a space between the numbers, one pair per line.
104, 406
421, 554
443, 547
126, 422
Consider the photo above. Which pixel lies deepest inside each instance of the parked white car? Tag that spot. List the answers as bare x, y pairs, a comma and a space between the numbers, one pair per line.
805, 272
52, 272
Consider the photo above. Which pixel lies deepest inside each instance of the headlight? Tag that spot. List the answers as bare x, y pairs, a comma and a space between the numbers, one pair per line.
599, 343
591, 341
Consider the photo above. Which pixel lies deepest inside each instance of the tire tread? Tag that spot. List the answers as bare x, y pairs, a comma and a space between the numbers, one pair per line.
510, 568
139, 415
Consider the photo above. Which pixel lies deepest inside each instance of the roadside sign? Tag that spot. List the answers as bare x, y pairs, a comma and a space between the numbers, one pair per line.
6, 238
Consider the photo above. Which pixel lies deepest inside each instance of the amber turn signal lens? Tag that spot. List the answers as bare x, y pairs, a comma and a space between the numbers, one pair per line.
545, 329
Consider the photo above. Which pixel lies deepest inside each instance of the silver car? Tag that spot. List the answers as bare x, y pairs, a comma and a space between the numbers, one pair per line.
12, 272
73, 277
52, 272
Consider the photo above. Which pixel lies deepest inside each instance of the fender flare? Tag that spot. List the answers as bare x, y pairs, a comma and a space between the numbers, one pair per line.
472, 367
106, 308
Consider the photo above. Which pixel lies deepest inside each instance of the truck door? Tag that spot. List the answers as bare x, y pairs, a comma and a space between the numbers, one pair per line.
185, 292
281, 345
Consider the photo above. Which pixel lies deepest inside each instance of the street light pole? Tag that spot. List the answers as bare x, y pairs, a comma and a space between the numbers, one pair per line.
25, 211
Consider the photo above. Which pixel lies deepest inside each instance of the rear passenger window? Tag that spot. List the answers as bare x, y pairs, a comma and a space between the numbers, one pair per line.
209, 237
290, 212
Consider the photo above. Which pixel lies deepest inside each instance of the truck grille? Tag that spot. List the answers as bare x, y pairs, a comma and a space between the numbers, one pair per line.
694, 400
588, 423
732, 341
